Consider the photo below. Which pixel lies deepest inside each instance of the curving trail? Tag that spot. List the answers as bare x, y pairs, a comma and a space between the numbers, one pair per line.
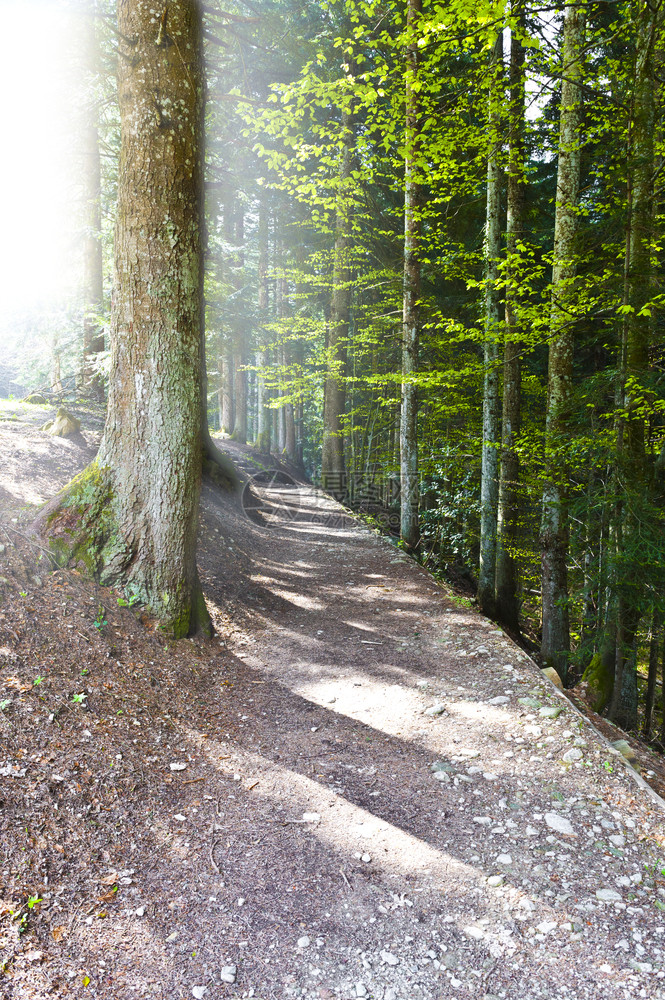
358, 788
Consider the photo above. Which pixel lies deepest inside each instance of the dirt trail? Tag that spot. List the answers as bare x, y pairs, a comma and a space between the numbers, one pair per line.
381, 796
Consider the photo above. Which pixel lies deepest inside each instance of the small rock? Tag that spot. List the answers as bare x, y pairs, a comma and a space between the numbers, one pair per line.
389, 958
550, 711
177, 766
618, 840
608, 895
140, 911
501, 699
304, 942
64, 424
504, 859
546, 926
361, 990
198, 992
495, 881
572, 755
366, 858
482, 820
477, 933
311, 817
560, 824
551, 673
228, 974
435, 710
180, 817
441, 776
529, 702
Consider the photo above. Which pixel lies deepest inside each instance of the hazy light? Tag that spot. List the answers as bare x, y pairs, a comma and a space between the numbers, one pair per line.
36, 248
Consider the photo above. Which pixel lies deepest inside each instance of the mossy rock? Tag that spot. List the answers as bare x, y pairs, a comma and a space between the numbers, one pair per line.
36, 399
64, 424
598, 681
47, 426
553, 676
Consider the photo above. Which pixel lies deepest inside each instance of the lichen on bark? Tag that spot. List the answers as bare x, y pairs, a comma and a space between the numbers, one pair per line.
131, 517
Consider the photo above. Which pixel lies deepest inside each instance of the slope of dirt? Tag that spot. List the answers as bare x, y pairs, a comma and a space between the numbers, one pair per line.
356, 789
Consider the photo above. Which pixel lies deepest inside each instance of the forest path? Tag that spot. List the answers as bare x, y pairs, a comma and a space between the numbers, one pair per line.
358, 788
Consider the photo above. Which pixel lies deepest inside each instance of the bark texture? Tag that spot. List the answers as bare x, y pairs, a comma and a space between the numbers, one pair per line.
263, 416
489, 483
409, 485
631, 465
507, 606
132, 515
555, 645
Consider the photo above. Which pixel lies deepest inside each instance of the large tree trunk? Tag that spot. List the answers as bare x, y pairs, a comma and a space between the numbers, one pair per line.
555, 646
333, 469
409, 485
93, 278
489, 482
132, 516
637, 335
507, 607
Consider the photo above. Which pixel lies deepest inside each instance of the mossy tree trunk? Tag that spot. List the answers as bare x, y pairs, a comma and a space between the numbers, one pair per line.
409, 480
509, 505
489, 480
132, 515
555, 645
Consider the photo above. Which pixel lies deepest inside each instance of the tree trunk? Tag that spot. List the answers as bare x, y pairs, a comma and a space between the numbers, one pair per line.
136, 505
239, 353
262, 442
507, 607
654, 652
637, 334
333, 469
409, 485
555, 645
226, 371
93, 278
489, 482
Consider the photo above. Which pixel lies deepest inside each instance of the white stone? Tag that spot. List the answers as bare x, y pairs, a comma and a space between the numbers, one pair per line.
500, 699
618, 840
560, 824
228, 974
482, 820
389, 958
608, 895
474, 932
311, 817
504, 859
572, 755
198, 992
546, 926
303, 942
495, 881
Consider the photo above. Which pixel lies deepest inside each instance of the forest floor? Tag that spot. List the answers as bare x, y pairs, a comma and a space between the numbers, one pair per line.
357, 788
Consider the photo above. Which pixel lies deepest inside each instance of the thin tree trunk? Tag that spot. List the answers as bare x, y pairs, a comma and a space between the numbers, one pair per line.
654, 652
409, 484
489, 482
93, 278
226, 413
555, 644
262, 441
507, 607
333, 469
240, 382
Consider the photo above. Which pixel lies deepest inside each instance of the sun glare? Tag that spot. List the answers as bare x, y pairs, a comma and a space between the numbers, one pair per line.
36, 251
